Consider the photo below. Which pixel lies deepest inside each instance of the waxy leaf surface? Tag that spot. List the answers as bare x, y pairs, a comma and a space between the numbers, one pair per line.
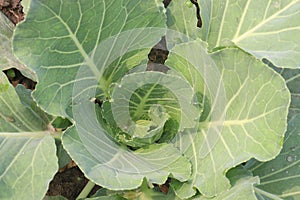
266, 29
27, 151
252, 122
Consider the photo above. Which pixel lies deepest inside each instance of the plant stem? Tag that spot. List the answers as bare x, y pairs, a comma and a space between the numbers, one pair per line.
57, 135
86, 190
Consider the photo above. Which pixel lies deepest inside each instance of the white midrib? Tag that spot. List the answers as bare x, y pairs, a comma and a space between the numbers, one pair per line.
24, 134
230, 122
242, 19
250, 31
86, 57
238, 121
221, 25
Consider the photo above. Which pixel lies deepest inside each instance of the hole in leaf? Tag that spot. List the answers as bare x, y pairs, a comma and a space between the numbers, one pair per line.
15, 77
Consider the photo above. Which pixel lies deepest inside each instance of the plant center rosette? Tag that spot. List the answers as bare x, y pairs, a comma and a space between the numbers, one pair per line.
150, 107
148, 118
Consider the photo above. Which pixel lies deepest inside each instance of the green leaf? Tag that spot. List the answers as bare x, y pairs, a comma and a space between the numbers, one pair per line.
26, 5
280, 178
28, 164
61, 123
58, 37
113, 167
148, 193
292, 79
111, 197
237, 173
104, 194
243, 103
18, 111
243, 189
27, 149
75, 48
54, 198
269, 30
145, 193
182, 18
197, 79
7, 59
243, 185
126, 98
251, 123
62, 155
205, 13
6, 28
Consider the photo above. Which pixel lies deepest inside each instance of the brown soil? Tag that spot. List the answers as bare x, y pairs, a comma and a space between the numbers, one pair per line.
12, 9
64, 183
69, 184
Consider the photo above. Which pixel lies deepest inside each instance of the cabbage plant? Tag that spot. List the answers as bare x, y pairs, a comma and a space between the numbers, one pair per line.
217, 119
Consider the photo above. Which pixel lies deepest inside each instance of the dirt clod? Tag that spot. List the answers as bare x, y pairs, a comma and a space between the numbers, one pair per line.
12, 9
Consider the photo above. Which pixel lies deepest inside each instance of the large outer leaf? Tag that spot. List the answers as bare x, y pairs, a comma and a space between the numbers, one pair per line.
182, 18
27, 151
280, 178
267, 29
292, 79
243, 189
26, 5
7, 59
112, 165
253, 126
80, 42
205, 13
118, 169
58, 36
143, 193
